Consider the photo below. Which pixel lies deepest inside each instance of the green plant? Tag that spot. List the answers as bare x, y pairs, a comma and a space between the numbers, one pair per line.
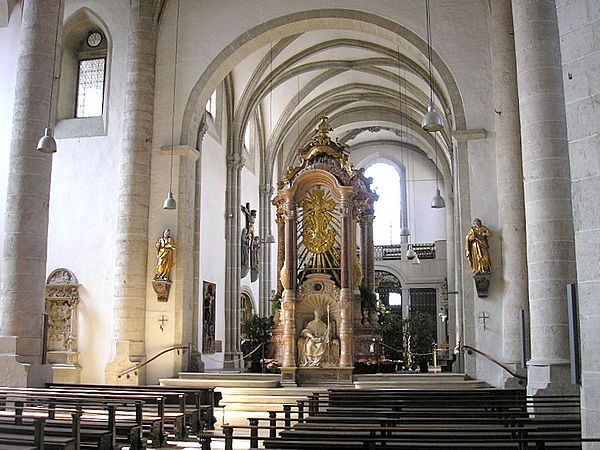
421, 328
391, 326
276, 301
257, 330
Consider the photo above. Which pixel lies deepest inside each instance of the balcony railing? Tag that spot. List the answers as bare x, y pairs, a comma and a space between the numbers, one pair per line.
394, 252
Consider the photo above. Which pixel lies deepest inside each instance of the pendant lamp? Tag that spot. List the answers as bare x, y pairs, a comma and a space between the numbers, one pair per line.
170, 202
47, 144
437, 201
433, 120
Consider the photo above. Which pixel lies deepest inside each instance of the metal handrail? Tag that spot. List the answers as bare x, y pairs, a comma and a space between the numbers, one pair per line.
148, 361
494, 360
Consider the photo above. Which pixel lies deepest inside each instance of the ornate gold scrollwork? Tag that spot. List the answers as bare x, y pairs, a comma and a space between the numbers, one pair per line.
318, 236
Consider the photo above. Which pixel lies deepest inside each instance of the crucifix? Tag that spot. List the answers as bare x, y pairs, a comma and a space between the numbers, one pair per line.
483, 316
163, 319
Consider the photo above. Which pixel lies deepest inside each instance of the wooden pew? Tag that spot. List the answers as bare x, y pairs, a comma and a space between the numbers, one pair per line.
427, 419
96, 413
35, 437
203, 399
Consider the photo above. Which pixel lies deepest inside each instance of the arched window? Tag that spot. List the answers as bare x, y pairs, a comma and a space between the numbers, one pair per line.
90, 80
211, 104
84, 77
386, 182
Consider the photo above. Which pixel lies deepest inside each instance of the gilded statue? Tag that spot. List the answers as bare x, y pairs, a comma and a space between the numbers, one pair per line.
165, 247
477, 248
318, 345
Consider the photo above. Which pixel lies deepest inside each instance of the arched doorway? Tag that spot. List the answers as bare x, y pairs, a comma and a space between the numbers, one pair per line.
389, 290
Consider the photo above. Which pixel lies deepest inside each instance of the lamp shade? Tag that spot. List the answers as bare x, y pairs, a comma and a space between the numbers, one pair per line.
410, 253
404, 231
270, 239
433, 120
169, 202
438, 201
47, 144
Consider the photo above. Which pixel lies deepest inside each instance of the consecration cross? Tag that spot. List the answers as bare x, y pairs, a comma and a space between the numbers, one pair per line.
163, 319
483, 316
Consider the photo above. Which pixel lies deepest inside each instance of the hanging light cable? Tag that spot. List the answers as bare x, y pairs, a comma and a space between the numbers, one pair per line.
169, 202
438, 200
47, 144
433, 120
404, 230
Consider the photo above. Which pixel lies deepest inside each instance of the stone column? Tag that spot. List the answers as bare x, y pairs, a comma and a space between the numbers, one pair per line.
366, 246
185, 321
129, 308
197, 300
547, 190
264, 280
26, 224
346, 294
233, 231
289, 282
450, 264
509, 169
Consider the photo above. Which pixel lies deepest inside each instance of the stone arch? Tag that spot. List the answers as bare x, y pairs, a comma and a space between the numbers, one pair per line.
4, 12
391, 268
292, 24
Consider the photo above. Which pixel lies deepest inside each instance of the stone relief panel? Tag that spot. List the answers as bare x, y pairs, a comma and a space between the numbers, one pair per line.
62, 299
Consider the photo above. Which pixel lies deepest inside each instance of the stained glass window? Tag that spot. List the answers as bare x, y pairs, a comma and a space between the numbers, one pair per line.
90, 87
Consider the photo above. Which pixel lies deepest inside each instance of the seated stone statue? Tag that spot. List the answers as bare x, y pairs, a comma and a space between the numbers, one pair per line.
318, 345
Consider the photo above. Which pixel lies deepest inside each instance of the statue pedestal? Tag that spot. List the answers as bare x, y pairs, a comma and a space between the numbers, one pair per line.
316, 376
364, 337
162, 289
482, 284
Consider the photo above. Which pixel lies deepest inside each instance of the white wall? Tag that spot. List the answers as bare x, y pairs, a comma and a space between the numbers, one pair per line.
426, 224
83, 207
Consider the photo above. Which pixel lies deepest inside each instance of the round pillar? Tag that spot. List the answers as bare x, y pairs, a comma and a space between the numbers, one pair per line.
509, 171
547, 191
129, 308
29, 172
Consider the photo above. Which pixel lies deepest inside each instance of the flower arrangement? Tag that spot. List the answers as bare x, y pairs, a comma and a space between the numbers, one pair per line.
271, 365
372, 365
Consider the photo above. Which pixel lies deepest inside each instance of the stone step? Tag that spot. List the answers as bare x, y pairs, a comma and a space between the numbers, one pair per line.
214, 380
287, 390
272, 399
424, 384
252, 407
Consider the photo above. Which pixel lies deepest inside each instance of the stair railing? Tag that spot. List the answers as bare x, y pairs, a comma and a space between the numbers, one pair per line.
148, 361
470, 350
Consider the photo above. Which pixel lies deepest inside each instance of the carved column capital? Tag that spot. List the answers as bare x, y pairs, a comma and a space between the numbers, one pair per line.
202, 131
235, 161
266, 190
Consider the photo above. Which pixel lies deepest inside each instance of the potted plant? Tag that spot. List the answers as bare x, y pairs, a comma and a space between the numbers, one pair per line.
391, 326
258, 333
421, 328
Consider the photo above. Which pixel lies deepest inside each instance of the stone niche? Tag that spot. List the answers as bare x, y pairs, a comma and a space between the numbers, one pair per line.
62, 300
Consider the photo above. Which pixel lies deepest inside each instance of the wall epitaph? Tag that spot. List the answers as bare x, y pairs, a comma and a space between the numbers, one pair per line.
62, 301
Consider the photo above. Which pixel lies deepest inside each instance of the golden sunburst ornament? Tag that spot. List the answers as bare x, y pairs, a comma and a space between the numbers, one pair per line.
317, 233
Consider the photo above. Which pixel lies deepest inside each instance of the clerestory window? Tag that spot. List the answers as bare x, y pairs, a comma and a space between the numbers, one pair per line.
90, 87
